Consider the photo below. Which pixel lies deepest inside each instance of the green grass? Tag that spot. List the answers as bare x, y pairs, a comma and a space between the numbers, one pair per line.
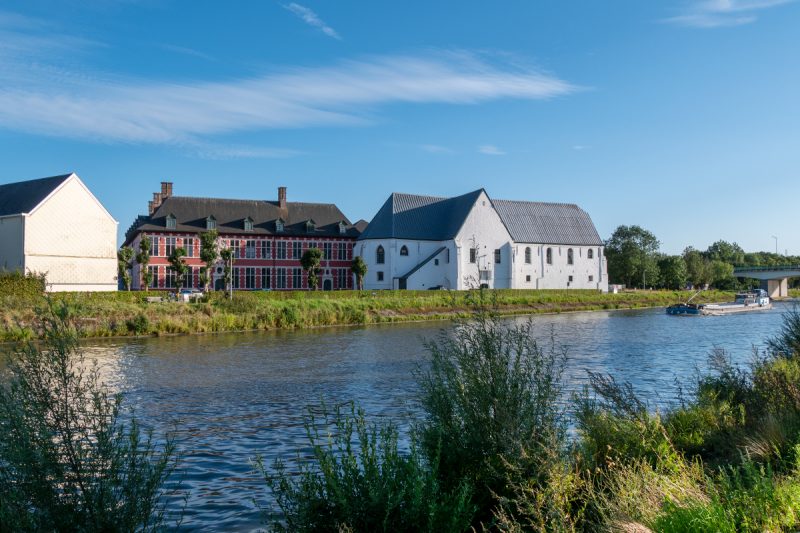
128, 313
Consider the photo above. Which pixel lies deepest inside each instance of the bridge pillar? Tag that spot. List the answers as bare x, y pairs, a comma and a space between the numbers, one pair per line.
776, 288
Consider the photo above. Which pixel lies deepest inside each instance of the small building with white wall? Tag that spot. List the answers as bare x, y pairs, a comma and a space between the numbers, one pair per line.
468, 241
57, 227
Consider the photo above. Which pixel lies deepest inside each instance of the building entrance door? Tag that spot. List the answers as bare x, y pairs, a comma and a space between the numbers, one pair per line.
327, 285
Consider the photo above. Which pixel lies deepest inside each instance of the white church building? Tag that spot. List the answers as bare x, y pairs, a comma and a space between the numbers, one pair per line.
425, 242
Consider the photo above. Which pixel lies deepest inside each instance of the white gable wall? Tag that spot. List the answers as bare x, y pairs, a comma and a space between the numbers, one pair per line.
483, 229
586, 273
72, 239
11, 243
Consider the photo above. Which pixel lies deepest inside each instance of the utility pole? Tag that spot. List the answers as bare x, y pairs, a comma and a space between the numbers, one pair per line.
230, 283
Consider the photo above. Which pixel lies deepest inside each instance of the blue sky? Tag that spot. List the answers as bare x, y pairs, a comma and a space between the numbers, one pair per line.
679, 116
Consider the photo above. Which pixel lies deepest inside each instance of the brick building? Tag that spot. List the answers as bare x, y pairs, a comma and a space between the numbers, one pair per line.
268, 239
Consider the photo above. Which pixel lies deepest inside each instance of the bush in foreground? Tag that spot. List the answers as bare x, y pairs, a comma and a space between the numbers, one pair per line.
67, 460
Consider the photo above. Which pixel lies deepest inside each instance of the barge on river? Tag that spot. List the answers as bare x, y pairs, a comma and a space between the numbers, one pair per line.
755, 300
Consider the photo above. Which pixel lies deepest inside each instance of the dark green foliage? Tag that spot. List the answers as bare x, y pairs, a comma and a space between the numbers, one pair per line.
68, 462
492, 411
143, 259
177, 264
361, 481
631, 254
124, 265
787, 342
359, 268
209, 254
22, 287
311, 263
672, 271
226, 254
139, 325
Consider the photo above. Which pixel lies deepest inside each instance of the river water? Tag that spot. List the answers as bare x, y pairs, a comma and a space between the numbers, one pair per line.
231, 397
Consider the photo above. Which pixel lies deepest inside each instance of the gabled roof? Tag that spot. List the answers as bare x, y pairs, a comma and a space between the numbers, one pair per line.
429, 218
24, 196
191, 214
547, 223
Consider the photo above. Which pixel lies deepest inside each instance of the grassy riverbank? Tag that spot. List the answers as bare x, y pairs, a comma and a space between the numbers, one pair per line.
129, 314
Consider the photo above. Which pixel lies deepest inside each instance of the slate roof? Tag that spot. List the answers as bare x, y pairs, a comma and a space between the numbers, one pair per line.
24, 196
191, 214
547, 223
427, 218
432, 218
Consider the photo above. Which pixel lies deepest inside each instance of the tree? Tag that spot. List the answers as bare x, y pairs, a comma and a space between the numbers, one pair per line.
209, 254
696, 267
70, 458
143, 258
359, 269
672, 269
310, 262
125, 265
226, 254
631, 255
721, 274
727, 252
177, 264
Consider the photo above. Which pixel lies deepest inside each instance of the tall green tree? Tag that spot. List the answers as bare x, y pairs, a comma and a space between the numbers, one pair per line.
672, 271
143, 258
696, 267
125, 265
359, 269
209, 254
721, 274
226, 254
311, 261
631, 253
726, 252
177, 264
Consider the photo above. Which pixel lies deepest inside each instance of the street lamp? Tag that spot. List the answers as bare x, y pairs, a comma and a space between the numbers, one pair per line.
776, 244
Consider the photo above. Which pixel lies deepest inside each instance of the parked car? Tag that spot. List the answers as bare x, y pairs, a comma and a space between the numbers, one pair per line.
187, 295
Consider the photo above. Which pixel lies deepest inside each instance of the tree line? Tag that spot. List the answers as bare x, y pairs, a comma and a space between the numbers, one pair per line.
635, 260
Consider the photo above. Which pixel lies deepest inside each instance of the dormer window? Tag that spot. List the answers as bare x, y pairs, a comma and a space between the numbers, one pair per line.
248, 224
310, 226
211, 222
279, 225
172, 222
342, 228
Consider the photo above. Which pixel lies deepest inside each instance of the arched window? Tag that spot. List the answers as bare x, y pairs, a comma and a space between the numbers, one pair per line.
528, 255
248, 224
211, 223
172, 222
570, 257
380, 256
404, 250
549, 256
590, 253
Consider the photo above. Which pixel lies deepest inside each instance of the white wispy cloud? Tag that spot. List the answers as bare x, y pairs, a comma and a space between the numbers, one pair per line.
312, 19
436, 149
39, 95
185, 50
720, 13
490, 149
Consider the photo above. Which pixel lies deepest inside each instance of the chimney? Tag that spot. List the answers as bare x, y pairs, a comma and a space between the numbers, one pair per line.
150, 208
282, 197
166, 189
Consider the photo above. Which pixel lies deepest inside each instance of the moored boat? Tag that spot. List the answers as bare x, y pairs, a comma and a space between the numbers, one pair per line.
754, 300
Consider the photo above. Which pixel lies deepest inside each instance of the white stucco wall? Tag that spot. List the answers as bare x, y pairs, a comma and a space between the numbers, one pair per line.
557, 275
483, 229
11, 243
72, 239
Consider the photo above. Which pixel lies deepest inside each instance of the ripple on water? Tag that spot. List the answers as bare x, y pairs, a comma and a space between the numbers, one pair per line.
229, 398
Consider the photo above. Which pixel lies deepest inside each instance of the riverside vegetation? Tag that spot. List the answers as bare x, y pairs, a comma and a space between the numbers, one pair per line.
492, 450
128, 313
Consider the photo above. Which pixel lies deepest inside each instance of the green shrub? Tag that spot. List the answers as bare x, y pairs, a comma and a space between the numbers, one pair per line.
360, 481
139, 325
492, 413
68, 462
24, 287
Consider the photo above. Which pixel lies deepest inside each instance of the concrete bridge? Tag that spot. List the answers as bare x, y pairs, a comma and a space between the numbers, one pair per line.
774, 279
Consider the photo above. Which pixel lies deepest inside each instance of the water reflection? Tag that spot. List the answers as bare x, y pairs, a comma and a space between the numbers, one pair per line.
233, 396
